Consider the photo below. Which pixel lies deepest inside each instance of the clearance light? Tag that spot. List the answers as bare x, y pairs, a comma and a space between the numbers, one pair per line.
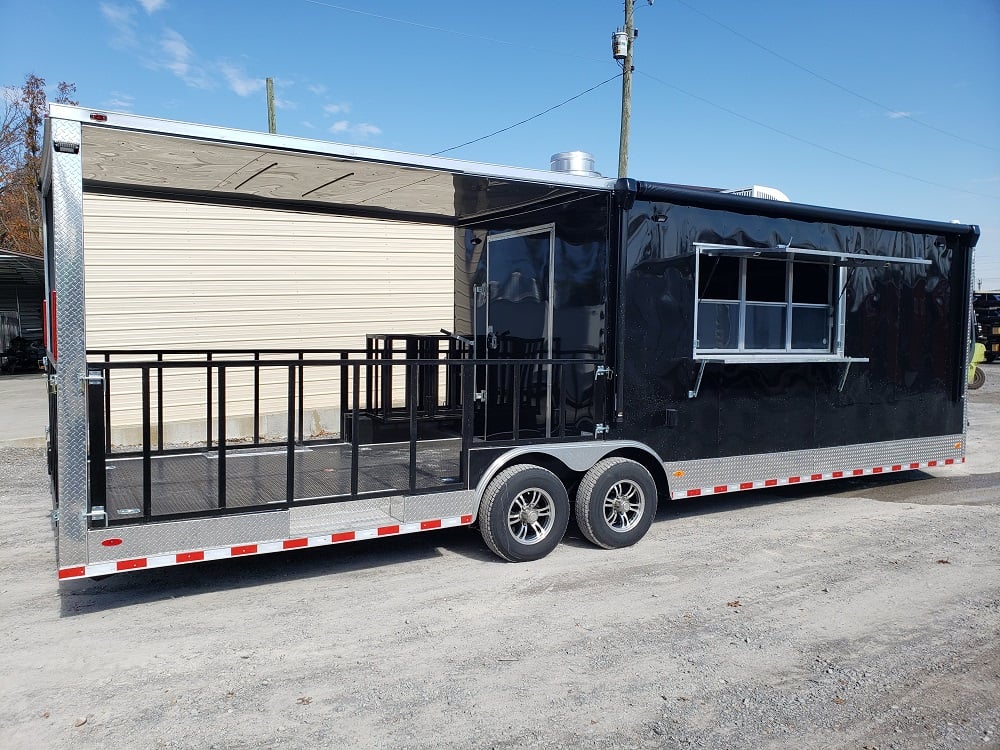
98, 117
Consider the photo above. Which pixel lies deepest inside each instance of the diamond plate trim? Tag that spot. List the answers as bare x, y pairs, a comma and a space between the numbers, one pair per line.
71, 404
170, 537
440, 504
733, 473
350, 514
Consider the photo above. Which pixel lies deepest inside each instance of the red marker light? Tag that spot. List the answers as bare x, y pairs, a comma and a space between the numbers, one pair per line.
112, 542
98, 117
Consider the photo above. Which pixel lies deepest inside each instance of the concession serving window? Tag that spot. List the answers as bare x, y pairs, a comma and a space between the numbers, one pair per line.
780, 304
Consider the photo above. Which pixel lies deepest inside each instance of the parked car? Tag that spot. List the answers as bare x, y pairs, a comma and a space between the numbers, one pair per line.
23, 355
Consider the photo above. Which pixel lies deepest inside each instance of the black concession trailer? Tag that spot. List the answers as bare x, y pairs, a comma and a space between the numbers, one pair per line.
614, 342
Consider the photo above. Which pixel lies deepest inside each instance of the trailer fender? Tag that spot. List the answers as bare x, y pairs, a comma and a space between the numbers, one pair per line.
577, 458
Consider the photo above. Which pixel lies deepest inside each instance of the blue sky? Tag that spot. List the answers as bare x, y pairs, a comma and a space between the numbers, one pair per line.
890, 106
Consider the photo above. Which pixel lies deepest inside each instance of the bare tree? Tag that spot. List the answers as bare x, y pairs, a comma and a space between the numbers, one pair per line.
20, 162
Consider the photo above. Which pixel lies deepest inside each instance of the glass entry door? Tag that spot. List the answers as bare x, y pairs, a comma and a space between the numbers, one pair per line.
519, 296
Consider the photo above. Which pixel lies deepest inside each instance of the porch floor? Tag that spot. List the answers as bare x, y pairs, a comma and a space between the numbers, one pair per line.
189, 482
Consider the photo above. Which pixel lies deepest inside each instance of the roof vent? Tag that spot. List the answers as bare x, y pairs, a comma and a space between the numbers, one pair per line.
574, 162
759, 191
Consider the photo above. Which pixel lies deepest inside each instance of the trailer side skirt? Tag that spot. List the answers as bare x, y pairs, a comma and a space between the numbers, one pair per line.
116, 550
713, 476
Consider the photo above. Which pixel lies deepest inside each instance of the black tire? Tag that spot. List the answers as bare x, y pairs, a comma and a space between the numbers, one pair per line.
616, 503
978, 378
524, 513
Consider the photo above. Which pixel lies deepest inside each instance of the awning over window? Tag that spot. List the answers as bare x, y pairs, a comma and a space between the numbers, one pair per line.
805, 255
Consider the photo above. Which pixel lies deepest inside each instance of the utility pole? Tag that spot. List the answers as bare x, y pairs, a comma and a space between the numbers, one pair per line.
626, 88
272, 126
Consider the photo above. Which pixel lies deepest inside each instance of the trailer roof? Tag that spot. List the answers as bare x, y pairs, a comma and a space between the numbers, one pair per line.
227, 165
224, 164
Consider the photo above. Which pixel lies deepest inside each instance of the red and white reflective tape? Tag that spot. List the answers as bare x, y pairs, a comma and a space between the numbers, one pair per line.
819, 477
256, 548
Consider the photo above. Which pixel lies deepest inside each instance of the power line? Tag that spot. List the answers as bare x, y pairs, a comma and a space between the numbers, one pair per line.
820, 146
454, 32
894, 112
709, 102
528, 119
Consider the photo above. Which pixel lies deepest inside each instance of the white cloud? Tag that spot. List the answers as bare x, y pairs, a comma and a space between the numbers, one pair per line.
280, 103
317, 88
366, 130
337, 109
360, 131
177, 51
122, 18
151, 6
120, 101
307, 124
239, 81
898, 115
178, 57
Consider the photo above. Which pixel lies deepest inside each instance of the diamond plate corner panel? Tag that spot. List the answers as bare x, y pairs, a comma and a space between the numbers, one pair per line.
710, 472
71, 404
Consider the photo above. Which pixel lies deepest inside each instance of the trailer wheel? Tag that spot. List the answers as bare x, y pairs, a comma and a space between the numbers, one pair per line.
616, 503
524, 513
978, 378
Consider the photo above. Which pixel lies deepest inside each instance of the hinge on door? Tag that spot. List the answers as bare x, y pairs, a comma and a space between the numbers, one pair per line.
479, 290
601, 429
479, 396
53, 384
603, 371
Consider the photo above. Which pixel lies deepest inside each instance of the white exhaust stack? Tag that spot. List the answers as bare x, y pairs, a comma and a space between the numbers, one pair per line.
574, 162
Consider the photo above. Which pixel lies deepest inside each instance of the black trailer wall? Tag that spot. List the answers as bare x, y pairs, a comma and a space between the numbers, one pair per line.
908, 320
579, 276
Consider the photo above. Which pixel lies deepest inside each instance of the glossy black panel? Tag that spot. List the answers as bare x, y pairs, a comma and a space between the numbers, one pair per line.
908, 320
579, 311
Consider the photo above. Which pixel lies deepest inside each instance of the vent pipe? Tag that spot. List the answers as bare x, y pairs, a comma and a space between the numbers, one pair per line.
574, 162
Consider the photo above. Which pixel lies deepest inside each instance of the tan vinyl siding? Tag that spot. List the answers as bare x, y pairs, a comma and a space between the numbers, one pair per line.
166, 274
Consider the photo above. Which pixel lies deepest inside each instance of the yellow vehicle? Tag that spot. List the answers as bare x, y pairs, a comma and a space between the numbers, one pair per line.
976, 374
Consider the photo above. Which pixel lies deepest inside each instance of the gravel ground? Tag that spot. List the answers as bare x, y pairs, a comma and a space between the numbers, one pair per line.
859, 614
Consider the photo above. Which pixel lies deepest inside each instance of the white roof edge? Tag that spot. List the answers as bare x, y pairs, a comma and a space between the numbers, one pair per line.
128, 121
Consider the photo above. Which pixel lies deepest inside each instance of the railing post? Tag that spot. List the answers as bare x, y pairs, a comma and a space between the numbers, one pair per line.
98, 455
387, 380
562, 399
343, 393
302, 397
159, 404
517, 401
147, 463
107, 406
290, 442
468, 402
256, 399
355, 428
412, 385
208, 402
222, 436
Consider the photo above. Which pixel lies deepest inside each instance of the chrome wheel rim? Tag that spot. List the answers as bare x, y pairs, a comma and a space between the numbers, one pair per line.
531, 516
623, 505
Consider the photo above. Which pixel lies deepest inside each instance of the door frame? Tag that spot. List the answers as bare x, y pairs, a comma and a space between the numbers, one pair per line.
550, 229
